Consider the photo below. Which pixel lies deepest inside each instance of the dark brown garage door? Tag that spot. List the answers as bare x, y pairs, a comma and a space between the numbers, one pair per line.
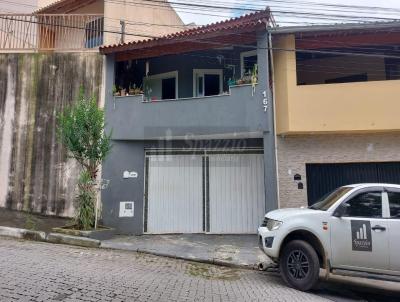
323, 178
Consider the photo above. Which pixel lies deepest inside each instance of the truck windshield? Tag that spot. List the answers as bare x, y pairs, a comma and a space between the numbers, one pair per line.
329, 199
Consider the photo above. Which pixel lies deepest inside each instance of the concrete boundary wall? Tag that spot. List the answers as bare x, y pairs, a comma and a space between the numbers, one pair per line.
35, 173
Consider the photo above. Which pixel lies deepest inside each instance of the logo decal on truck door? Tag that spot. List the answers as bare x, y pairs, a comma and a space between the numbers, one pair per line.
361, 235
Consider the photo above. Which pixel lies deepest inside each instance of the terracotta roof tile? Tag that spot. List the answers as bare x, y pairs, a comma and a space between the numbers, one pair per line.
60, 4
247, 21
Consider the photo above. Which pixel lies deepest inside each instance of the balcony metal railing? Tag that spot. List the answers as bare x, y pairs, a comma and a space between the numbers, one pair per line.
45, 32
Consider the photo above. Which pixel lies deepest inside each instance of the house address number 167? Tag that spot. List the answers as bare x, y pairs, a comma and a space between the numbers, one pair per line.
265, 101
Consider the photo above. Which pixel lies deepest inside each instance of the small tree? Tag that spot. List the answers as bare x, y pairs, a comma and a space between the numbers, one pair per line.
81, 130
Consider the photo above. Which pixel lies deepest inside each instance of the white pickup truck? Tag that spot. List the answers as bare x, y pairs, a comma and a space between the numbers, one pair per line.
355, 230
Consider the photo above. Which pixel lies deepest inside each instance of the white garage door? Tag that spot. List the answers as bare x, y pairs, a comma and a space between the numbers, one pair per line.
236, 185
207, 192
174, 194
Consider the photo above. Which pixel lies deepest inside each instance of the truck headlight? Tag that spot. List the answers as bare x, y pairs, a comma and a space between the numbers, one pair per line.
271, 224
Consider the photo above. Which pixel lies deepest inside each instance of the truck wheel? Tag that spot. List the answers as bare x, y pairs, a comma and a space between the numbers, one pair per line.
299, 265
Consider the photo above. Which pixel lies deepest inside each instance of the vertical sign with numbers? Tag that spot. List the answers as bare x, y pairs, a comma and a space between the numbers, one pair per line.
265, 101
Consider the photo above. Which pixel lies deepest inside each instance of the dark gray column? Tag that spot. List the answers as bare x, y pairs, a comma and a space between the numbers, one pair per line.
108, 86
270, 177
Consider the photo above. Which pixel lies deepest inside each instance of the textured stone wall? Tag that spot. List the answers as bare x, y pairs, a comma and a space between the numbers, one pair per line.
35, 173
295, 152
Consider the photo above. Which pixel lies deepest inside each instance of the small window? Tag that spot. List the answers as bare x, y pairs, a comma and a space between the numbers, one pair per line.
168, 89
94, 33
368, 205
248, 60
394, 204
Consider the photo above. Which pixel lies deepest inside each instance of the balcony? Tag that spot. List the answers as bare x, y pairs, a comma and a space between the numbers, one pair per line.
53, 32
352, 95
222, 116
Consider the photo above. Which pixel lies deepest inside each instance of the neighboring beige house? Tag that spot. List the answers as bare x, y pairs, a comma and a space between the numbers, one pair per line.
337, 108
75, 25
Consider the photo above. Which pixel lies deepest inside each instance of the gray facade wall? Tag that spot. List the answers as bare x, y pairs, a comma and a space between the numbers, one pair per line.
294, 152
35, 173
130, 156
229, 115
126, 155
135, 124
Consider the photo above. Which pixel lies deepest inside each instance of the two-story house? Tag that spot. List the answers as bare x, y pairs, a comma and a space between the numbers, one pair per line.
337, 108
192, 128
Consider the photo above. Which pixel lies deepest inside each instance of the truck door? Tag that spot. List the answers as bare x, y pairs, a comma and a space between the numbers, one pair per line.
359, 239
394, 229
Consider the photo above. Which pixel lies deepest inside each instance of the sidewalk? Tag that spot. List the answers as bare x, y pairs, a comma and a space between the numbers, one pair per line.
231, 250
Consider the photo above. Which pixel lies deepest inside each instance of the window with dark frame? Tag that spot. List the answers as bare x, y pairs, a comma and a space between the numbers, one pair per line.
368, 205
394, 204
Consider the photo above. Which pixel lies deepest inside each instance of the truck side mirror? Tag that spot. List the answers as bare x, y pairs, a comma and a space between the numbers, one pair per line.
340, 211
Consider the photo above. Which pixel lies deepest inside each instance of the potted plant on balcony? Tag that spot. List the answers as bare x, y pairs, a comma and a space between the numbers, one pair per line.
115, 91
134, 90
231, 82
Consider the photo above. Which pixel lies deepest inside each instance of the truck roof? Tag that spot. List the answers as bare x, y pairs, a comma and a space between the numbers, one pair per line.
366, 185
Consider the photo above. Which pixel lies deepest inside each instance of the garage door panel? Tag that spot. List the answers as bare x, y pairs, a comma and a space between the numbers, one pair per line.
175, 194
324, 178
389, 172
236, 192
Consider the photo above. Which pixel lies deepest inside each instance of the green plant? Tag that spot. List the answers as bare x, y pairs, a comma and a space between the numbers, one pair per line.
254, 74
85, 215
80, 128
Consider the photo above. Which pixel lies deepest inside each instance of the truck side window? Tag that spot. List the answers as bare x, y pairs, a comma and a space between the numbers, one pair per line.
394, 204
367, 205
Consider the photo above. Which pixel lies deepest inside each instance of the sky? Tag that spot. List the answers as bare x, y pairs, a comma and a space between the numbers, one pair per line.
200, 17
298, 5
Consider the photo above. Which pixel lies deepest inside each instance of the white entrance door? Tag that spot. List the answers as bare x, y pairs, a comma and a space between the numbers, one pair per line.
174, 194
236, 192
207, 82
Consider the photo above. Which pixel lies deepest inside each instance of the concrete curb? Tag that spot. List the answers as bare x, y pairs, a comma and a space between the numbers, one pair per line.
72, 240
58, 238
22, 234
213, 261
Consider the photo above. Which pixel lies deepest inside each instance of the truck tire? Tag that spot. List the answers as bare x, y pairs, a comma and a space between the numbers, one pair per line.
299, 265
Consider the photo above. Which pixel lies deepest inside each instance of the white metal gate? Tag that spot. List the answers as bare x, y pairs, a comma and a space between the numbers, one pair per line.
237, 197
174, 194
210, 192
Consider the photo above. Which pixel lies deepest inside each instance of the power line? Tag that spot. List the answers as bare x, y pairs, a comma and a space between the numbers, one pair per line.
217, 43
285, 13
189, 6
314, 65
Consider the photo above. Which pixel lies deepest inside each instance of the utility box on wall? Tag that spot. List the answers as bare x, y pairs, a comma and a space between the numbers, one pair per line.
126, 209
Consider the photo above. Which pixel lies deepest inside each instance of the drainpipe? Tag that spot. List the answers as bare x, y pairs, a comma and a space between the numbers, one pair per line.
272, 76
